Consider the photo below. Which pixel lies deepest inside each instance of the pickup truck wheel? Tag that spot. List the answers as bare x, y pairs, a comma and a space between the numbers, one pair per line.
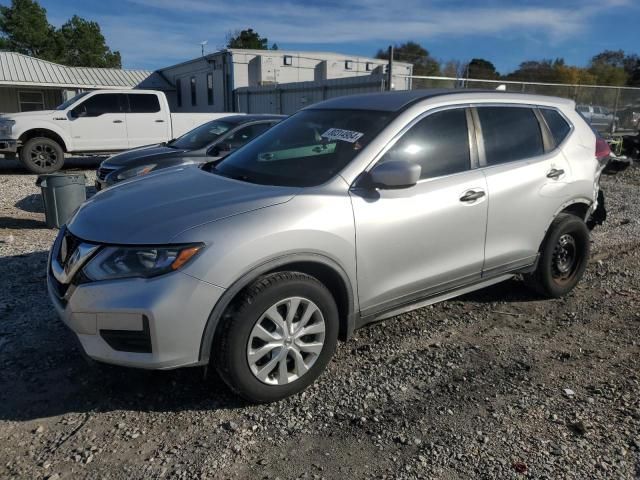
277, 338
563, 257
42, 155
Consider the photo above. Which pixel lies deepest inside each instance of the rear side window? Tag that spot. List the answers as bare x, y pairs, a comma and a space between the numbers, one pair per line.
558, 126
439, 143
143, 103
510, 134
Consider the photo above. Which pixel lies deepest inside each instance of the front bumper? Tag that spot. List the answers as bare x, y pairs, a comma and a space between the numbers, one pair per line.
154, 323
8, 146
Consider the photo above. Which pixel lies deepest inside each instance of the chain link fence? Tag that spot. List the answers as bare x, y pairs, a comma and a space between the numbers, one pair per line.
608, 109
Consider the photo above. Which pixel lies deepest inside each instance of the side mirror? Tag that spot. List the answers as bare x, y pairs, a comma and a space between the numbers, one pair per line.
78, 113
219, 149
395, 174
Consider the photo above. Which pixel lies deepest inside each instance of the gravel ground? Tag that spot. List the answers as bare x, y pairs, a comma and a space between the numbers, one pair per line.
496, 384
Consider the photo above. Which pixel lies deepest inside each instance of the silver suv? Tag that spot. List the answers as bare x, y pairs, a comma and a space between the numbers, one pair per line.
350, 211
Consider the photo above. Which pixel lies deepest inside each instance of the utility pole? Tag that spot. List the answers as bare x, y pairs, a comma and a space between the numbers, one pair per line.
390, 68
202, 44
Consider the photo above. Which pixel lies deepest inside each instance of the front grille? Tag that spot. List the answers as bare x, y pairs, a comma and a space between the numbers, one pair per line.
103, 172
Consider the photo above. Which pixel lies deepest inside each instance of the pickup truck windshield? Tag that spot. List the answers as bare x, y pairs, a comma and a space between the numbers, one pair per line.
305, 150
71, 101
202, 136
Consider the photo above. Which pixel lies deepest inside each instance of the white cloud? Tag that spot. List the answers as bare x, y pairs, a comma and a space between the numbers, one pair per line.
171, 30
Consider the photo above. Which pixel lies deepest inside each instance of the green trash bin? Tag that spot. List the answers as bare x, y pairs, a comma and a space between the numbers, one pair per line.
61, 195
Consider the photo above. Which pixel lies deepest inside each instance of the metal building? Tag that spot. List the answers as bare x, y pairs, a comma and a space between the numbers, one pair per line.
210, 83
28, 83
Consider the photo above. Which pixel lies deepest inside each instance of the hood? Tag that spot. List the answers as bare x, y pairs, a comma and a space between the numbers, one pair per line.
142, 155
155, 208
35, 114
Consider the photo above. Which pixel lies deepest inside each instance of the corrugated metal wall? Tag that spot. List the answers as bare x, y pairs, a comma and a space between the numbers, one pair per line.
9, 98
290, 97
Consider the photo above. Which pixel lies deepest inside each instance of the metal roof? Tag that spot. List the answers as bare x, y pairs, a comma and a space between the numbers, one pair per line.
18, 69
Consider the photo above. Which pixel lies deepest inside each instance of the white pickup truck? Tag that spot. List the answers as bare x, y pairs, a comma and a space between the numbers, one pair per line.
99, 121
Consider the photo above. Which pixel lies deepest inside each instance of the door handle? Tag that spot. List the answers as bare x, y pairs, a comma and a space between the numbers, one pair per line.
159, 121
117, 121
472, 195
555, 173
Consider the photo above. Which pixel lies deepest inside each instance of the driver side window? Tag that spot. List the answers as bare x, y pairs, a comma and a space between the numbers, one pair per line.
100, 104
439, 143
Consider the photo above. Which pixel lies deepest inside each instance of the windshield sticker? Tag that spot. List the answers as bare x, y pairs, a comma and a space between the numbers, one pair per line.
343, 135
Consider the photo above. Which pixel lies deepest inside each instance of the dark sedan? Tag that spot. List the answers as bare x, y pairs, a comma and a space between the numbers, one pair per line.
207, 142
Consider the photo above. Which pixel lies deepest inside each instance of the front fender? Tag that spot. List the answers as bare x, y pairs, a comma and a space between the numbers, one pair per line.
20, 129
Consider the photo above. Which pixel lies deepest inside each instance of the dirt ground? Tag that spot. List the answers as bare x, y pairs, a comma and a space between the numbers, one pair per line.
496, 384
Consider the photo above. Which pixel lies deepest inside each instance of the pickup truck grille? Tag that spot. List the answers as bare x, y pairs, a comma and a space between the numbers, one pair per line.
103, 172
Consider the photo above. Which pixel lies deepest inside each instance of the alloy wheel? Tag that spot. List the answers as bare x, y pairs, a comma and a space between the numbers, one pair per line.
286, 341
43, 155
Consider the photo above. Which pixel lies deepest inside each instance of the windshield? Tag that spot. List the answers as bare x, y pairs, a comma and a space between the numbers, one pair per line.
305, 150
202, 136
71, 101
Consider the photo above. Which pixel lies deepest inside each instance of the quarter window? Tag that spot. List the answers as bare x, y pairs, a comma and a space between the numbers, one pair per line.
557, 124
439, 143
510, 133
143, 103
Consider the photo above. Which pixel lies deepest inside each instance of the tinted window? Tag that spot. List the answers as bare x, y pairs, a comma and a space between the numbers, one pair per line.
306, 149
202, 136
143, 103
100, 104
243, 135
557, 124
438, 143
510, 133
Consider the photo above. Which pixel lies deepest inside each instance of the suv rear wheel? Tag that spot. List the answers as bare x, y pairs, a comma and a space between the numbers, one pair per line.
563, 257
278, 337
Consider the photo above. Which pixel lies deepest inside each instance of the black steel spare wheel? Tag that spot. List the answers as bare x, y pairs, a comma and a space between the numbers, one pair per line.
563, 257
42, 155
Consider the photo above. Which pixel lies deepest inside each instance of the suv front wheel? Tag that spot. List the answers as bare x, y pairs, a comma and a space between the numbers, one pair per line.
563, 257
278, 337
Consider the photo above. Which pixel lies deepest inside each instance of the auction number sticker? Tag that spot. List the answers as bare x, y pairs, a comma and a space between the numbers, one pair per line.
343, 135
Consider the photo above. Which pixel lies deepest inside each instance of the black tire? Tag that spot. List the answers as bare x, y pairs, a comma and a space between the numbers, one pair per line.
42, 155
564, 255
231, 342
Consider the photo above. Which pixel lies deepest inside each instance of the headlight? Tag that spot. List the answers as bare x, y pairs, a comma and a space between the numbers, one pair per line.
134, 172
124, 262
6, 126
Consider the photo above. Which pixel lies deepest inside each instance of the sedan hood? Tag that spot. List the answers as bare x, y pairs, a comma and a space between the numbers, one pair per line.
156, 208
142, 155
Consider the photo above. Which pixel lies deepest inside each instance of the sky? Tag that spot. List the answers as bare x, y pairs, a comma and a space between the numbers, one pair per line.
156, 33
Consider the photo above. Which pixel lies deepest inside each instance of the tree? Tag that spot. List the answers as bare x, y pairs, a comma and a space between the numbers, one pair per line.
454, 69
414, 53
538, 71
483, 69
80, 43
248, 39
25, 29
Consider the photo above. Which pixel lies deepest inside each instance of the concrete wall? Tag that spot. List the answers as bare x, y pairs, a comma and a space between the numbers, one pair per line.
9, 97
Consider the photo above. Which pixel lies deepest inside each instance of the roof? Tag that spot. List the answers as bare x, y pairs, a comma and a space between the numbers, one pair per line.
399, 100
16, 69
319, 56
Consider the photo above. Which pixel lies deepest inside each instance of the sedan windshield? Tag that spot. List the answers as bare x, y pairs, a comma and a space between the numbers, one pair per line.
201, 136
305, 150
71, 101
